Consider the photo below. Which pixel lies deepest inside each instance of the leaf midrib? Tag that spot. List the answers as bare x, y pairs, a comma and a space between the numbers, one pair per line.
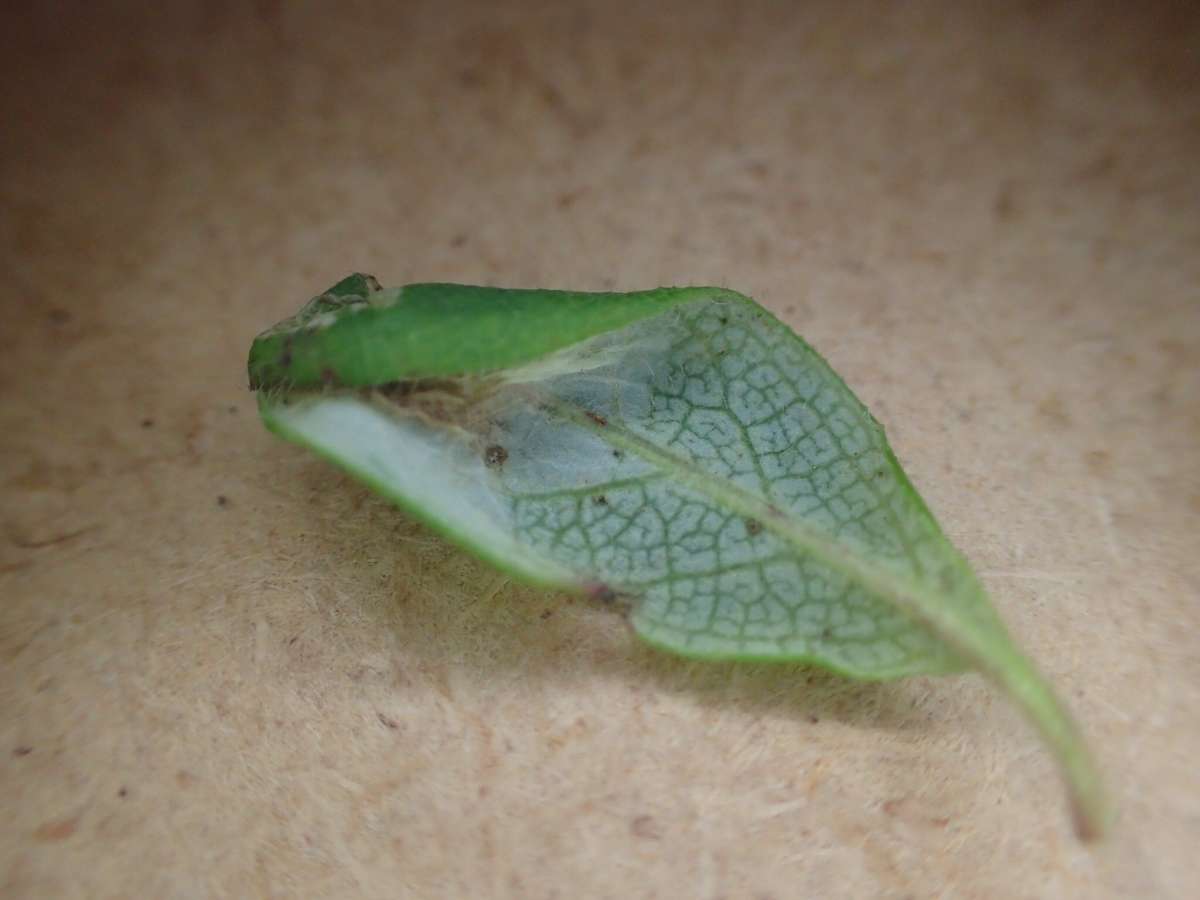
989, 649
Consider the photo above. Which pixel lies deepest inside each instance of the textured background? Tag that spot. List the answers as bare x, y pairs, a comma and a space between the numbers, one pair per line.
225, 670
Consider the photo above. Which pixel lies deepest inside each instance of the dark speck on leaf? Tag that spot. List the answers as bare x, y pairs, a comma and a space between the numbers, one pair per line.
610, 596
753, 527
597, 418
147, 423
222, 500
600, 500
826, 633
495, 455
598, 590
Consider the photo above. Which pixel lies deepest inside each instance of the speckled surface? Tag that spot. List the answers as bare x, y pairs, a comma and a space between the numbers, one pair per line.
225, 670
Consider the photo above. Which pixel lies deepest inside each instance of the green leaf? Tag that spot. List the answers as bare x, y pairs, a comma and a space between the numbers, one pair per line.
679, 450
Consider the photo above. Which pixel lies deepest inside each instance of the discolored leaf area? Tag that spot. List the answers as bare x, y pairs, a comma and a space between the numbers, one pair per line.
680, 449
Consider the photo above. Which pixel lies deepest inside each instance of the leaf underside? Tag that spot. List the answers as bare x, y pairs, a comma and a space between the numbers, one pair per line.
696, 460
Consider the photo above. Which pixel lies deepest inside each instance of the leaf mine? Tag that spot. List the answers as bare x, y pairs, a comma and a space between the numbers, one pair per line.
680, 451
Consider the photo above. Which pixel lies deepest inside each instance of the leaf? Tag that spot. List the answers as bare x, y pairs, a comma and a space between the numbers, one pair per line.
679, 450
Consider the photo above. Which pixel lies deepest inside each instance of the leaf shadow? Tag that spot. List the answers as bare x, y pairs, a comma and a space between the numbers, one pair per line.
457, 618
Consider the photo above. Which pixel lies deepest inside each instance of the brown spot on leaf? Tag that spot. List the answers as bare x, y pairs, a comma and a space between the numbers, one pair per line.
603, 593
608, 595
753, 527
440, 399
495, 455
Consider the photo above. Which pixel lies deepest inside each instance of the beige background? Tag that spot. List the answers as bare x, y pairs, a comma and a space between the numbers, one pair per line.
226, 670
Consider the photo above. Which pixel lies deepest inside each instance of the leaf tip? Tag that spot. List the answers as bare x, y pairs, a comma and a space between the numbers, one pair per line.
1092, 817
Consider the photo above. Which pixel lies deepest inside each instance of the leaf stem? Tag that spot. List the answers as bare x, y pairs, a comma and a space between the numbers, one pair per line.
988, 647
1091, 812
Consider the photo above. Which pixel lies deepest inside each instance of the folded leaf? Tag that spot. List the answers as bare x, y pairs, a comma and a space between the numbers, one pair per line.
678, 450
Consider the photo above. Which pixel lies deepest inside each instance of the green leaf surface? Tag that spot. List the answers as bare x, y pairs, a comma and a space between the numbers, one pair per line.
678, 450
